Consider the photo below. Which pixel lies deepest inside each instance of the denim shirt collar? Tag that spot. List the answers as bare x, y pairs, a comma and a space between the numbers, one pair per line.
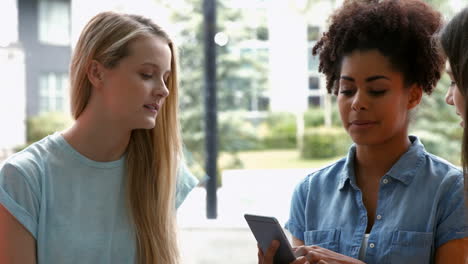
404, 170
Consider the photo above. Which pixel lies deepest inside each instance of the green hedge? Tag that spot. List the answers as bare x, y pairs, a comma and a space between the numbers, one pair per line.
323, 142
40, 126
281, 133
314, 117
46, 124
440, 145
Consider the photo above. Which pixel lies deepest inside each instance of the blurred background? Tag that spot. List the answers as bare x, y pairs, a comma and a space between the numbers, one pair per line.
276, 124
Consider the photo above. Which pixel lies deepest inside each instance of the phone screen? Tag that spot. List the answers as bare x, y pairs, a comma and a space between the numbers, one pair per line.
266, 229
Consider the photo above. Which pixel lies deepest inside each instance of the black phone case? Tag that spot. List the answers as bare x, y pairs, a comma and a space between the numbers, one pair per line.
266, 229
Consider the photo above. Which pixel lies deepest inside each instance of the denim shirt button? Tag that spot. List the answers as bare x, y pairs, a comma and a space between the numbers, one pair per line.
379, 217
385, 181
371, 245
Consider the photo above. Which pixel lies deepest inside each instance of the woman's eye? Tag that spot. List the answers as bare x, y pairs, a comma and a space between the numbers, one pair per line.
346, 92
453, 84
146, 76
377, 92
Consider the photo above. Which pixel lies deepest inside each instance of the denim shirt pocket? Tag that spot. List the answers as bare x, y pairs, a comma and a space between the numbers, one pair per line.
329, 239
411, 247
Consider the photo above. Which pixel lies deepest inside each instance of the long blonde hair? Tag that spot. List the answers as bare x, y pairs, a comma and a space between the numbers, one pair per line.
152, 155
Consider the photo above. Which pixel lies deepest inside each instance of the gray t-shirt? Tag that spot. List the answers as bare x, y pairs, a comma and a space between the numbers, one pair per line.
73, 206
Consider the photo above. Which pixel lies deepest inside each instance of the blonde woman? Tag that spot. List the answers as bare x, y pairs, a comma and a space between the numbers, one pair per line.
106, 189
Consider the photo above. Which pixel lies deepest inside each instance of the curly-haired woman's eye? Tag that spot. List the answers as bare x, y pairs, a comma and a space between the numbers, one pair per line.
453, 84
376, 93
346, 92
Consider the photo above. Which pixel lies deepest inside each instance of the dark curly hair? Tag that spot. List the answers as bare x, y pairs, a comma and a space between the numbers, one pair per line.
402, 30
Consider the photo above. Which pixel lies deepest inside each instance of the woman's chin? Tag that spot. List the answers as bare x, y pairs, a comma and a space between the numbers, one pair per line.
148, 124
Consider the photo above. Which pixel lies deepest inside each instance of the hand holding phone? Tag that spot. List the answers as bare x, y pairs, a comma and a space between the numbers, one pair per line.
266, 229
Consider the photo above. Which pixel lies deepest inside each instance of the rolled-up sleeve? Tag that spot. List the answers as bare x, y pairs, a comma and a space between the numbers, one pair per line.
296, 222
185, 184
19, 195
453, 216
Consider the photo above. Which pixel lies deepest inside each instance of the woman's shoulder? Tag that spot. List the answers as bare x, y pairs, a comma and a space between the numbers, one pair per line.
22, 180
439, 175
430, 164
441, 162
33, 157
441, 167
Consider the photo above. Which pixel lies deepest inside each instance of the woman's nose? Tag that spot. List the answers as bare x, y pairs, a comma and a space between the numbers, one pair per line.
161, 91
358, 103
449, 96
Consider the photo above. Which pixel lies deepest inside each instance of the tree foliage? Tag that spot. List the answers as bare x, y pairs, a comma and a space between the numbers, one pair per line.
238, 72
437, 124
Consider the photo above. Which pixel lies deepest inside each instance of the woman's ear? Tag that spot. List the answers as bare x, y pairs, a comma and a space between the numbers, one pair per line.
415, 95
95, 73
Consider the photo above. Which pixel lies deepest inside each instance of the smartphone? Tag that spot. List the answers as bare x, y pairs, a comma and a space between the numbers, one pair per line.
266, 229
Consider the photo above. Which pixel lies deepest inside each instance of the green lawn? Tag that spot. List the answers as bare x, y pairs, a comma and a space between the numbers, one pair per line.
277, 159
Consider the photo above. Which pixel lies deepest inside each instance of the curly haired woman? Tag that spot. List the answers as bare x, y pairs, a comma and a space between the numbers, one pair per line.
389, 200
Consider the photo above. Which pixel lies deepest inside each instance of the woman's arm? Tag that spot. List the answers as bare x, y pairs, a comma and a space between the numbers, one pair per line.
17, 245
453, 252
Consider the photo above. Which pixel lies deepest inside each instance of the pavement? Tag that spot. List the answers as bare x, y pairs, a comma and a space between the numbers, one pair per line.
228, 239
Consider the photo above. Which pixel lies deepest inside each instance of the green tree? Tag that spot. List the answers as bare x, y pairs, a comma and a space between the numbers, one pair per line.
40, 126
442, 6
239, 72
437, 124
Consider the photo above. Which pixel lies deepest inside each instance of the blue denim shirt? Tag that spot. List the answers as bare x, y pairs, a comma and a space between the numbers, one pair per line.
420, 207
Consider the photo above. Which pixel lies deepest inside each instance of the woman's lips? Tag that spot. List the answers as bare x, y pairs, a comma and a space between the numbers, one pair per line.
152, 107
362, 124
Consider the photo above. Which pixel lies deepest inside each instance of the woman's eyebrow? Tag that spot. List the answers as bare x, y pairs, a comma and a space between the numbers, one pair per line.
344, 77
369, 79
155, 66
377, 77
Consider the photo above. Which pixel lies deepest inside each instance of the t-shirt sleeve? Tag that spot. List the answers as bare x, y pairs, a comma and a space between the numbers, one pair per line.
185, 183
19, 195
453, 214
296, 222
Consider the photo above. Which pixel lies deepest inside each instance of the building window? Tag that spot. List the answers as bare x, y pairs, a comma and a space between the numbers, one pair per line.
314, 83
313, 33
263, 103
313, 61
53, 92
54, 22
314, 101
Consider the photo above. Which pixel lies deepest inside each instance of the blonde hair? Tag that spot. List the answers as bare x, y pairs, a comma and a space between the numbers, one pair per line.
152, 154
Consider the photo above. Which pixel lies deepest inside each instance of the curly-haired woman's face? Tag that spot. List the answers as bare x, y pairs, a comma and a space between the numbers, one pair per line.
373, 101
